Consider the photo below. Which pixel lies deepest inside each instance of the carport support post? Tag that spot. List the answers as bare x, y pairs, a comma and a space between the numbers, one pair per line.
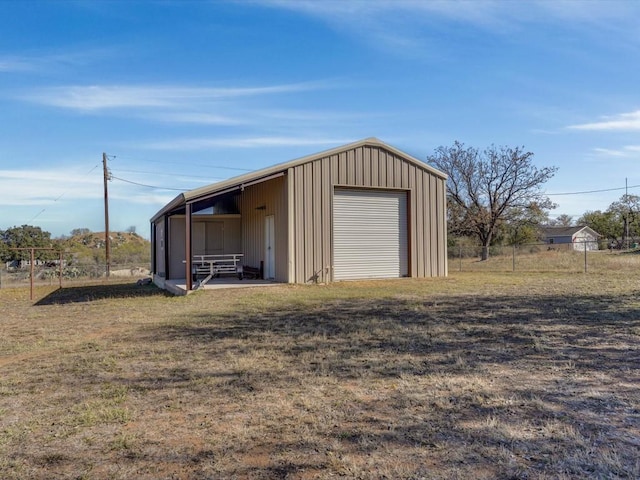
187, 243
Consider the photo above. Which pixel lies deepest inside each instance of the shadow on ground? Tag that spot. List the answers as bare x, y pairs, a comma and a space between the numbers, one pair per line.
91, 293
546, 383
468, 386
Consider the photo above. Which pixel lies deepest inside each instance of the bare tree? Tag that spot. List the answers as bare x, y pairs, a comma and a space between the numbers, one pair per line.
486, 188
563, 220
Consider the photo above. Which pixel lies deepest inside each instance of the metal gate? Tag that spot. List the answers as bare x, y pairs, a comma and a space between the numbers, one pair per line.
369, 234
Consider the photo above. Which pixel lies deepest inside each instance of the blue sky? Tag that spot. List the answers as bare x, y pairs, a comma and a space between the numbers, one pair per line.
182, 94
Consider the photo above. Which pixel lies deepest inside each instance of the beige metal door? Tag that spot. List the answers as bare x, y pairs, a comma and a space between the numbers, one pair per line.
270, 251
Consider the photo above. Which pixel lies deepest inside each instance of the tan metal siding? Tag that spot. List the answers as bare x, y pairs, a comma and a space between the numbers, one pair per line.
177, 239
366, 166
317, 219
414, 234
382, 168
291, 247
441, 210
311, 188
256, 203
419, 227
307, 208
359, 165
159, 248
324, 261
299, 225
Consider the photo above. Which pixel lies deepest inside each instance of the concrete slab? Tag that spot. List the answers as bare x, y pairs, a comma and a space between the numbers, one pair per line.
179, 286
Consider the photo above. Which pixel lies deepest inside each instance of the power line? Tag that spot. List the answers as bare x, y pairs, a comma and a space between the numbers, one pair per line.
35, 216
168, 174
149, 186
208, 165
60, 196
592, 191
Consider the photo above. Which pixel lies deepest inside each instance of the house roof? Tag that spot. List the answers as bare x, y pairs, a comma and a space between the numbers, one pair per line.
567, 231
277, 170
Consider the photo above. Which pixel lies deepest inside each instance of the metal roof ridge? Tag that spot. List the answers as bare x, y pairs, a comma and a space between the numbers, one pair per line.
189, 195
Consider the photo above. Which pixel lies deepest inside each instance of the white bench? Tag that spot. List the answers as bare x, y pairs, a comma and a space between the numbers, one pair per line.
215, 265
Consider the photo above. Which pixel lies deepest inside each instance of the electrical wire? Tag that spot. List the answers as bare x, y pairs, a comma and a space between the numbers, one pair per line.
149, 186
154, 161
168, 174
592, 191
60, 196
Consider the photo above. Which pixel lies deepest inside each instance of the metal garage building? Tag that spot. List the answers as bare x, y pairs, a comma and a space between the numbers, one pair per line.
363, 210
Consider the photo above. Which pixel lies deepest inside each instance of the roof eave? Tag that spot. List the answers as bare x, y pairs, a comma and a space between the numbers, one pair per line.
177, 202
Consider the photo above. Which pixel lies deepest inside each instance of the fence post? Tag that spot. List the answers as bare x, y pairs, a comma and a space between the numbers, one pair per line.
60, 268
585, 257
514, 257
460, 256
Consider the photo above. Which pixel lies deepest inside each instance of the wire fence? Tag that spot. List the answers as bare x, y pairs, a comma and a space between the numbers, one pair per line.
52, 273
581, 256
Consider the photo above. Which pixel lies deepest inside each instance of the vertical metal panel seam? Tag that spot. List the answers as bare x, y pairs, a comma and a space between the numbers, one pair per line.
290, 226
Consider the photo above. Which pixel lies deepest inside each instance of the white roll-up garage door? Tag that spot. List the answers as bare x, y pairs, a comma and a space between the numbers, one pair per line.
369, 234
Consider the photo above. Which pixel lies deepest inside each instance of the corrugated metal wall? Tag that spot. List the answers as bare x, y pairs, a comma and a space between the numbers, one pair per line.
257, 202
177, 242
216, 234
311, 186
159, 248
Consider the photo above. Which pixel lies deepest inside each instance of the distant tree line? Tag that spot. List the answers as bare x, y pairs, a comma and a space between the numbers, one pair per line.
26, 236
619, 224
82, 247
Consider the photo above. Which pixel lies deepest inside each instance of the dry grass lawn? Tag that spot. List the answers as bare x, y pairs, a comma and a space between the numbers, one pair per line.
480, 375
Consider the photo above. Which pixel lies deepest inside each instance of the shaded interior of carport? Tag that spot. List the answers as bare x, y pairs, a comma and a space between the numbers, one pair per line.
214, 224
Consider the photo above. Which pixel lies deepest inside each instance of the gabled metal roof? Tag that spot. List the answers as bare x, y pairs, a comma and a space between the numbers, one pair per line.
265, 174
567, 231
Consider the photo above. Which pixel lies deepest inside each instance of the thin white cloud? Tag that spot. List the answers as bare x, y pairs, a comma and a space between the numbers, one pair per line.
12, 65
622, 122
315, 116
101, 97
45, 188
400, 24
246, 142
272, 117
486, 13
477, 11
626, 151
196, 118
46, 62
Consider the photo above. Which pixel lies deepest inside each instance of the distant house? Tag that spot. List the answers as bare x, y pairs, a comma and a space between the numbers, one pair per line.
579, 237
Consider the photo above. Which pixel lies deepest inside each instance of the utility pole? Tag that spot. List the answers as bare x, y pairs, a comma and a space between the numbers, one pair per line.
107, 242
